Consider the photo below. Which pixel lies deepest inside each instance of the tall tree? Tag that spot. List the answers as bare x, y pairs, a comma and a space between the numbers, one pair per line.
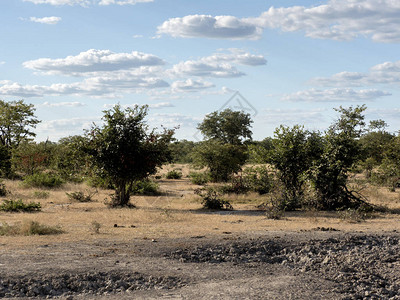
125, 150
223, 151
17, 119
227, 126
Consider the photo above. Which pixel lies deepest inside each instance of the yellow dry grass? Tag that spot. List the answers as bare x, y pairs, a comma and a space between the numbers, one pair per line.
176, 213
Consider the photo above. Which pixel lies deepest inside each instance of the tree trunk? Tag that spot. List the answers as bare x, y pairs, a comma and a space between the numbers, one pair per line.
122, 194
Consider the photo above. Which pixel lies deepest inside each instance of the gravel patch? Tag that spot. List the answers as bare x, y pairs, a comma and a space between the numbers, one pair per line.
91, 283
361, 266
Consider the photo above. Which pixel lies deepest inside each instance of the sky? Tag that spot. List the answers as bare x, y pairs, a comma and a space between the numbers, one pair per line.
283, 62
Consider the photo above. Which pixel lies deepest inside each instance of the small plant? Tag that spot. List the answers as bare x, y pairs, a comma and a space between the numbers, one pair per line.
40, 180
41, 194
3, 190
275, 210
35, 228
356, 215
96, 227
81, 196
258, 179
28, 228
174, 174
145, 187
199, 178
19, 205
211, 199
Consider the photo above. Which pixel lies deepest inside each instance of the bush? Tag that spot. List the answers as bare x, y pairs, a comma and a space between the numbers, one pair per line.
46, 180
174, 174
211, 199
41, 194
236, 186
28, 228
258, 179
3, 190
19, 205
80, 196
199, 178
145, 187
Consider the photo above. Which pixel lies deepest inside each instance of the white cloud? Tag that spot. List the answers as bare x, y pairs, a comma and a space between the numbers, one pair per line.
63, 104
159, 105
385, 73
46, 20
93, 61
60, 2
218, 64
337, 20
174, 120
106, 86
191, 85
2, 63
123, 2
86, 3
225, 27
335, 95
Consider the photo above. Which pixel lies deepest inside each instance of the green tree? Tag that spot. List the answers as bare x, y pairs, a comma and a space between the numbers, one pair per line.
17, 120
125, 150
340, 152
221, 159
294, 150
223, 151
227, 126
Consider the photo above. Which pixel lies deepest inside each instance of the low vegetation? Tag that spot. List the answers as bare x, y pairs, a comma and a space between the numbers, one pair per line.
28, 228
19, 206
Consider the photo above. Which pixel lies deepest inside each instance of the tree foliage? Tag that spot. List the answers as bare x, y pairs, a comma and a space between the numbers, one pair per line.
294, 150
341, 151
227, 126
16, 122
125, 150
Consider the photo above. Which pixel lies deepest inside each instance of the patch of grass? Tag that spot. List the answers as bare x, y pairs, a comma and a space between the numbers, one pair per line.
80, 196
174, 174
41, 194
19, 205
29, 228
3, 190
212, 200
40, 180
199, 178
96, 227
145, 187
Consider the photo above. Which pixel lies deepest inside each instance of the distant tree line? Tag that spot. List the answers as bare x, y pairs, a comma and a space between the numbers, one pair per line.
306, 167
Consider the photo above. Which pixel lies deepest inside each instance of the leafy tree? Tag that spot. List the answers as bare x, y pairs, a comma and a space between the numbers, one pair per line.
223, 152
375, 141
70, 161
227, 126
294, 150
30, 157
16, 121
125, 151
390, 167
182, 151
340, 152
221, 159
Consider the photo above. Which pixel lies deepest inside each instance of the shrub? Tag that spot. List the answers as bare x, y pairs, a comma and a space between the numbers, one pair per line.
211, 199
145, 187
46, 180
35, 228
258, 179
19, 205
199, 178
3, 190
41, 194
236, 186
174, 174
80, 196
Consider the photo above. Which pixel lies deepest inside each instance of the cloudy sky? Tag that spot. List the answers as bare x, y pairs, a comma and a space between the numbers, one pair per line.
292, 62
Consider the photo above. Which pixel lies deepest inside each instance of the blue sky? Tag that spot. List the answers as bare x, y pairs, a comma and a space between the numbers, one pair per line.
292, 61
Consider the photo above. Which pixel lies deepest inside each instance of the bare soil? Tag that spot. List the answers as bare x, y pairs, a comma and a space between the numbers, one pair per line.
170, 248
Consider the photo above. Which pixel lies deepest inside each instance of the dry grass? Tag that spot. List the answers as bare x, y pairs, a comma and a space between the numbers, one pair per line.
177, 212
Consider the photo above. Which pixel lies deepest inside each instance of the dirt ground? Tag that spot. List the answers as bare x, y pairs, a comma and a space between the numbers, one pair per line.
168, 247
